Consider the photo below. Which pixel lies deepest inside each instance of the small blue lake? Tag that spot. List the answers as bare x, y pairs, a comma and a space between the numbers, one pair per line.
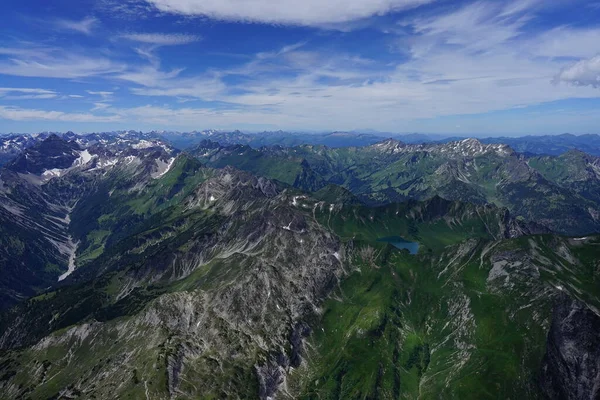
401, 243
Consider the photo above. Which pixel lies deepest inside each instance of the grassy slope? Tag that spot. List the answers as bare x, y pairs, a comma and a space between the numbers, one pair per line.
109, 214
406, 326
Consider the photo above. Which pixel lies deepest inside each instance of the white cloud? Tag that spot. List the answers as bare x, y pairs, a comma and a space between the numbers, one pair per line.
517, 7
46, 62
104, 95
566, 41
307, 12
24, 114
84, 26
126, 9
583, 73
4, 90
105, 99
26, 94
149, 76
100, 106
478, 26
161, 39
30, 97
258, 73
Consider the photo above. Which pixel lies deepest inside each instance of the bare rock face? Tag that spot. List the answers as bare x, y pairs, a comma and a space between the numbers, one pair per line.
270, 378
571, 366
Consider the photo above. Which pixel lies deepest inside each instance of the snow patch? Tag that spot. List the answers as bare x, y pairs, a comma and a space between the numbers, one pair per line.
52, 173
84, 158
129, 159
163, 167
143, 144
72, 253
295, 200
104, 163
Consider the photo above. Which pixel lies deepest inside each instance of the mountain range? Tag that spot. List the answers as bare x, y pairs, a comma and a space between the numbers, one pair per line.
131, 269
13, 144
560, 192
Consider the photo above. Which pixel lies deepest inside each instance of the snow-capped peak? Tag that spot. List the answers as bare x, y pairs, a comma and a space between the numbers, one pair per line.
84, 158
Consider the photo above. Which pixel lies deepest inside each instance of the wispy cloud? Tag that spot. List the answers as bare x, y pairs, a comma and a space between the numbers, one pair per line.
26, 94
565, 41
477, 26
4, 90
104, 95
84, 26
100, 106
149, 76
149, 43
161, 39
25, 114
106, 99
51, 62
307, 12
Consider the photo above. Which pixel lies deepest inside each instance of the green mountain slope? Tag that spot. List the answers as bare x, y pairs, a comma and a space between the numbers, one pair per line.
574, 170
468, 323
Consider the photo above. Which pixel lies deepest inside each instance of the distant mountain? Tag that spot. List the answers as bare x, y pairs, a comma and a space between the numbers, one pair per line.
288, 139
278, 138
13, 145
547, 144
467, 170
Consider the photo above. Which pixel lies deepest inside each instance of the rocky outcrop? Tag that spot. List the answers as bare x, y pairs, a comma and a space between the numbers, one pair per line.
571, 366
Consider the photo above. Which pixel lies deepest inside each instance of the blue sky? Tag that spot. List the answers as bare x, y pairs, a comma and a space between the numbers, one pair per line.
435, 66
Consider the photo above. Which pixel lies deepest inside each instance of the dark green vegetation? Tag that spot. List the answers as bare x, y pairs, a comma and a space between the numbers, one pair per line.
559, 192
194, 282
469, 323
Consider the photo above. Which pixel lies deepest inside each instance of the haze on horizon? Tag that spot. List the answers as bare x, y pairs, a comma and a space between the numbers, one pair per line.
468, 68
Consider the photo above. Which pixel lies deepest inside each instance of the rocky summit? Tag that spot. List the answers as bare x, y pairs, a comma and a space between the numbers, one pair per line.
131, 269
